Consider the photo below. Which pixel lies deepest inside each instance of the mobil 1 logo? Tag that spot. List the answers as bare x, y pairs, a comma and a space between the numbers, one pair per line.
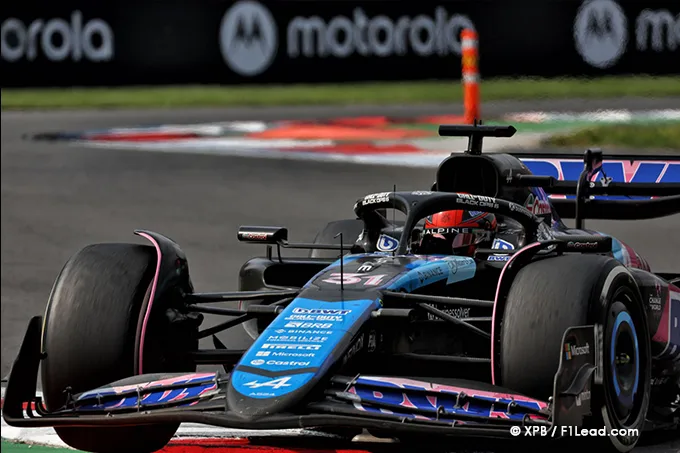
57, 39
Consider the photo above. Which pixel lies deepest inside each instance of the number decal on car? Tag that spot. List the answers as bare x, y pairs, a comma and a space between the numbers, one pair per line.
353, 279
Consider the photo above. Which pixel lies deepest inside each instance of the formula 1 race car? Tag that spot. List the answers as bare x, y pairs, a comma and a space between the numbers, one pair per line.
546, 328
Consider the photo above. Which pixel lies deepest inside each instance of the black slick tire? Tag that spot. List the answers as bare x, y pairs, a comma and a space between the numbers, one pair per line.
89, 336
549, 296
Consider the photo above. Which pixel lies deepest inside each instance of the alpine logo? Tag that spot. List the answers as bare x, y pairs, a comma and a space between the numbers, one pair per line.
275, 384
248, 38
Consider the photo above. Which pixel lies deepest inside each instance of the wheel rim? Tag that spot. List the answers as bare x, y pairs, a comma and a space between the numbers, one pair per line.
624, 364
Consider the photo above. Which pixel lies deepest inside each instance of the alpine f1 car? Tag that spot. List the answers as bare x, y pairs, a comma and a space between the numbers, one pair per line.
477, 314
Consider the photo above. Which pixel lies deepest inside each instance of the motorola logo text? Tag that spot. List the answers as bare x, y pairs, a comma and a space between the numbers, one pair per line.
602, 30
657, 30
248, 38
380, 36
57, 40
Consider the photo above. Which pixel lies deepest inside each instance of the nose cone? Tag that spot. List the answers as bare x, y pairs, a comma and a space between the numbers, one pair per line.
294, 352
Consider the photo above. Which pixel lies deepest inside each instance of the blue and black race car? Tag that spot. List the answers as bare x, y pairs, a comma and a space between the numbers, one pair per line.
477, 313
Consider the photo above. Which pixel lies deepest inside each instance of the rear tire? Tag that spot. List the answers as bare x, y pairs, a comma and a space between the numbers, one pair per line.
91, 321
552, 295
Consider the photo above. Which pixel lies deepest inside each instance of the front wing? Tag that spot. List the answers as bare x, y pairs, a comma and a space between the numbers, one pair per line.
386, 404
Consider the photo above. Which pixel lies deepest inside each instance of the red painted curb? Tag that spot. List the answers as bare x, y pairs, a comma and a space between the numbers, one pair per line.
240, 446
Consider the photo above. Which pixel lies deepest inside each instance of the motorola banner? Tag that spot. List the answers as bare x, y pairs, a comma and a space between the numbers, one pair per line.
610, 34
78, 42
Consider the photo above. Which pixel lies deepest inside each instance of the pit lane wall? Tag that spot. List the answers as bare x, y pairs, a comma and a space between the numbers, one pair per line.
79, 42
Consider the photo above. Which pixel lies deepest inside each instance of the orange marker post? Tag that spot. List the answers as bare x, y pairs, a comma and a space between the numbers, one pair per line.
470, 75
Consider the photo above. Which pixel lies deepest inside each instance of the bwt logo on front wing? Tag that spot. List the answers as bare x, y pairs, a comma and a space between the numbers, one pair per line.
249, 36
57, 39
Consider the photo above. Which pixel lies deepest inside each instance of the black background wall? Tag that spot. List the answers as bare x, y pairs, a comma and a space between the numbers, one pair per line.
73, 42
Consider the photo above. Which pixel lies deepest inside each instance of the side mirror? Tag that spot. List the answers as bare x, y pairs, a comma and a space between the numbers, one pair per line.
262, 234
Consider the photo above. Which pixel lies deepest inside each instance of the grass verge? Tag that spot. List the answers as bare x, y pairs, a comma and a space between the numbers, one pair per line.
651, 136
339, 94
16, 447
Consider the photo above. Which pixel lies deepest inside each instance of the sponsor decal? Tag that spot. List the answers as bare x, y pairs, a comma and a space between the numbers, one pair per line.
287, 363
422, 192
582, 245
257, 362
501, 258
429, 274
366, 267
442, 230
571, 350
655, 298
479, 201
304, 332
453, 266
500, 244
582, 397
313, 318
619, 170
248, 38
255, 236
322, 311
458, 313
656, 381
296, 338
382, 197
292, 346
303, 347
274, 383
372, 341
353, 279
309, 325
405, 393
301, 355
57, 40
198, 386
514, 207
387, 243
352, 351
537, 206
379, 36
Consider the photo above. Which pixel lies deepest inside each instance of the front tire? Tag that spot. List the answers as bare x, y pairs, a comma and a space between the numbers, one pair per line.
89, 336
552, 295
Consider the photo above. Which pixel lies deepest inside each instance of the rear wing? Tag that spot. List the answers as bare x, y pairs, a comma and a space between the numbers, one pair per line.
599, 186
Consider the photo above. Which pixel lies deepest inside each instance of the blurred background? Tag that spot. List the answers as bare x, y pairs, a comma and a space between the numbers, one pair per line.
192, 117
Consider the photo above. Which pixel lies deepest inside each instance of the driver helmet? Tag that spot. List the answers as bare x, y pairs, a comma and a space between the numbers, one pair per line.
457, 232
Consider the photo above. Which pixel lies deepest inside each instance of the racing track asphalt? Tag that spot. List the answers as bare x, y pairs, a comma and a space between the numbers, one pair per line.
58, 198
